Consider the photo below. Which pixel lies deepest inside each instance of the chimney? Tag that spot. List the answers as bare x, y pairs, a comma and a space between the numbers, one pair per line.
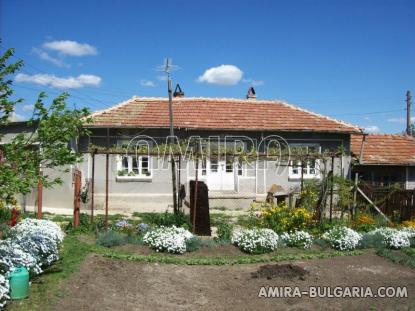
178, 91
251, 93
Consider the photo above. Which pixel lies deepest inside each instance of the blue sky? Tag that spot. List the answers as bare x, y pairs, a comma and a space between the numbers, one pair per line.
352, 60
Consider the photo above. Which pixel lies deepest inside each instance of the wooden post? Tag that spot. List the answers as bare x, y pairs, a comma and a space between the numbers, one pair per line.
195, 198
331, 188
106, 189
408, 113
356, 180
39, 197
77, 198
92, 187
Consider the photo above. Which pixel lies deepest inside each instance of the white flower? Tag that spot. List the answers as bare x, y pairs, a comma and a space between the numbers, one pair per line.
297, 239
342, 238
33, 244
393, 238
255, 240
167, 239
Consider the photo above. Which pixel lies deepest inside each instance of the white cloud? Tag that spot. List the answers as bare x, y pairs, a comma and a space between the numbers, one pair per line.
71, 48
45, 56
14, 117
147, 83
222, 75
253, 82
58, 82
400, 120
162, 78
371, 129
27, 108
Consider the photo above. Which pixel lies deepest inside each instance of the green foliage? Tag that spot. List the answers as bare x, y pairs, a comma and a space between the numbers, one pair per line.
326, 225
309, 194
372, 241
405, 256
111, 238
4, 231
54, 126
193, 244
345, 195
282, 218
166, 219
224, 232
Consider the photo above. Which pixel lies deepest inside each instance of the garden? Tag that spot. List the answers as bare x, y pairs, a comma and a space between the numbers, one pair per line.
265, 234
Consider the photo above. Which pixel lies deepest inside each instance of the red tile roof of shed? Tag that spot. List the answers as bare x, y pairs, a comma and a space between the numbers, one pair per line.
382, 149
217, 113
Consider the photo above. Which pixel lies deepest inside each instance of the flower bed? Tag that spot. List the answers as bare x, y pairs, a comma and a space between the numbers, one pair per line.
392, 238
342, 238
300, 239
33, 244
255, 241
167, 239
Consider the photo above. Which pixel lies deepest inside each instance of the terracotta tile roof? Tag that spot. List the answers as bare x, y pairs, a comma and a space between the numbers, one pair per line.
217, 113
384, 149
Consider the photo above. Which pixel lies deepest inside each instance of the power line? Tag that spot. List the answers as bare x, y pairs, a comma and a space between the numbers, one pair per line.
367, 113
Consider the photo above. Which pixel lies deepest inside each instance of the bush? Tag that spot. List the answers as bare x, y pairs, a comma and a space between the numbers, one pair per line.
342, 238
224, 231
193, 244
300, 239
282, 218
111, 238
4, 291
167, 219
32, 244
256, 241
364, 223
168, 239
390, 237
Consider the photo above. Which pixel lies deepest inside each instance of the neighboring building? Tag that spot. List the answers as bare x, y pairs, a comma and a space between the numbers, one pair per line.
143, 183
385, 160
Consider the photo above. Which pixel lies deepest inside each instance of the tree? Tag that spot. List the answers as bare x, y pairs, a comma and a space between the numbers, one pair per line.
55, 126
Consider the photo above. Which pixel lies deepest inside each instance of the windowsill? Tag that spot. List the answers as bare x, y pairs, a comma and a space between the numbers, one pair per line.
306, 177
134, 178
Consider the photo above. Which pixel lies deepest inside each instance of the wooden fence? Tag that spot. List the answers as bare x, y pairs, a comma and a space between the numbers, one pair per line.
392, 201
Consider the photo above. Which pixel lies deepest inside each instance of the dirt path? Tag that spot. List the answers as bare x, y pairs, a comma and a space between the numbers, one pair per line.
106, 284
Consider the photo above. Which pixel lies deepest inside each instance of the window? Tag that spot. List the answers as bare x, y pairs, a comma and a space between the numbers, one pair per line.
213, 165
310, 168
134, 166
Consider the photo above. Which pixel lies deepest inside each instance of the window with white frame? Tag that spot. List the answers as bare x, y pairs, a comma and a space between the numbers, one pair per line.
310, 167
134, 166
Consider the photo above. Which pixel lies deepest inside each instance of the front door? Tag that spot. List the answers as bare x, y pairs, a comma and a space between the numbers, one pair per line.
221, 175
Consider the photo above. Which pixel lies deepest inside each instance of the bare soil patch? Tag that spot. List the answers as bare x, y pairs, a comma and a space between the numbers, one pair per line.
108, 284
287, 271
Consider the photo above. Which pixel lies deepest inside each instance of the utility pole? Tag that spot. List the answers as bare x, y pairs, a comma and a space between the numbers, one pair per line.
408, 113
173, 162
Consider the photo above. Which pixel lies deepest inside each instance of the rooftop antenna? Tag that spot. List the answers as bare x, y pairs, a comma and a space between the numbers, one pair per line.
168, 67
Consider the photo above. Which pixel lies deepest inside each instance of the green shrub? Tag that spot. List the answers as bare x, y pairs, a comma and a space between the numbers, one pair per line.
166, 219
111, 238
225, 230
4, 231
193, 244
282, 218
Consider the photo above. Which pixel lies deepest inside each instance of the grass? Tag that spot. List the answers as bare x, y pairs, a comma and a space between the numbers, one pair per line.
226, 260
405, 256
47, 288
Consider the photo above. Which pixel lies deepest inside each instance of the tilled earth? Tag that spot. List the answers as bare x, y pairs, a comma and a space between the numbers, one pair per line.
107, 284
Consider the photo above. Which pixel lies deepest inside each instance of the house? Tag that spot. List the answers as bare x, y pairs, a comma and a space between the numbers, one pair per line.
383, 159
141, 181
